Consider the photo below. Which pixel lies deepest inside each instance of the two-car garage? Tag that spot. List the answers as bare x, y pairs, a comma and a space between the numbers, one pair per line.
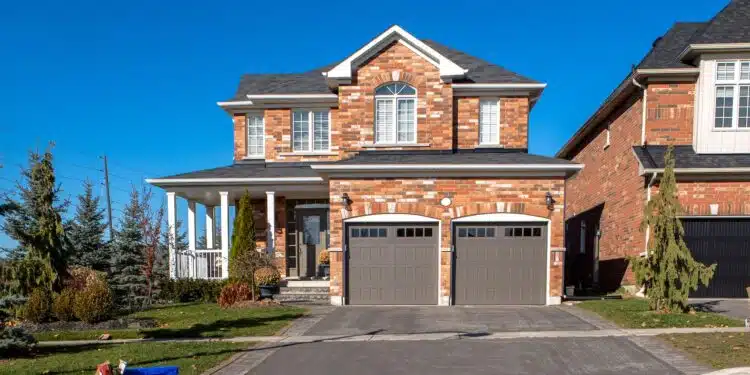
497, 259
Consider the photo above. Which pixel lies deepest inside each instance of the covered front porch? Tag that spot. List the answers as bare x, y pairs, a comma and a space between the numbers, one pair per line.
291, 217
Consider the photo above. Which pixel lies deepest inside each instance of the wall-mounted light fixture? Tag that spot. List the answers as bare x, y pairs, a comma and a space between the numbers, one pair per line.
347, 201
550, 201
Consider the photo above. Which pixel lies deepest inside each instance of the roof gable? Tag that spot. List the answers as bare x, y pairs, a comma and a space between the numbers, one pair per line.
342, 72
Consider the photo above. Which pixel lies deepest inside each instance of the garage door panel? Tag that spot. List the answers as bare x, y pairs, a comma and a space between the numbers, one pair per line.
401, 269
504, 265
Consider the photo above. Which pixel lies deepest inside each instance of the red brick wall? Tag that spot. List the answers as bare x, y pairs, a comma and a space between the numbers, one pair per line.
514, 122
610, 182
733, 197
240, 136
422, 197
261, 224
670, 113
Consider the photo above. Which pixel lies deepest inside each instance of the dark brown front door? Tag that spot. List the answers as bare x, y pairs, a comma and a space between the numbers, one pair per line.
312, 238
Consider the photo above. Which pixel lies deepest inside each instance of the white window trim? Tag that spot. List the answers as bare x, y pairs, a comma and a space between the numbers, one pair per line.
262, 154
494, 142
608, 135
735, 84
395, 98
311, 131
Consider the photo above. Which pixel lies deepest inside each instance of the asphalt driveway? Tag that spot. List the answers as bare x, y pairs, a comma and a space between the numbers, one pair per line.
523, 356
733, 308
353, 320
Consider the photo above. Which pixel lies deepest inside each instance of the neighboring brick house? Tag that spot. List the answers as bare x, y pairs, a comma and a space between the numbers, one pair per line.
692, 91
407, 162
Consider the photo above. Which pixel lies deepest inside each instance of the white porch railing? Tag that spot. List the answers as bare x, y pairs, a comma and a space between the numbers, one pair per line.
198, 264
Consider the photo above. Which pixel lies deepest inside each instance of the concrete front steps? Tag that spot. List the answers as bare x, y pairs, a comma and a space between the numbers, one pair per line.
304, 291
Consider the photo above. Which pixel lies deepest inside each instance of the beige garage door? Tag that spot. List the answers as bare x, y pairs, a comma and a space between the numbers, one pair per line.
392, 264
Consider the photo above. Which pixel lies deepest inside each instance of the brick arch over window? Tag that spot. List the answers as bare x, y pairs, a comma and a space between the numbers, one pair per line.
397, 76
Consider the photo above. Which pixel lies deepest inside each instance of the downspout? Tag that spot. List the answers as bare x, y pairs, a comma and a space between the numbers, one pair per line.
642, 291
644, 110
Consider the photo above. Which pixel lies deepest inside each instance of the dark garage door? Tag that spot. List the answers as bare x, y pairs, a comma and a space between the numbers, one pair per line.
725, 242
500, 264
393, 264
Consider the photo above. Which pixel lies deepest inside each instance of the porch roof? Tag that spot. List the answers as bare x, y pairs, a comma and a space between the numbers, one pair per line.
651, 159
450, 157
244, 173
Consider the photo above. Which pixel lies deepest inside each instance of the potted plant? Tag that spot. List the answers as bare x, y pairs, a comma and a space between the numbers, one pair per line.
267, 279
324, 267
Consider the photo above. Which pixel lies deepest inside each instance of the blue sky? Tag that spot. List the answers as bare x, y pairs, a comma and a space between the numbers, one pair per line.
138, 80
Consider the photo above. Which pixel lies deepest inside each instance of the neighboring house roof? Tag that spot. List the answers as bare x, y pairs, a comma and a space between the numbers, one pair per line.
447, 157
313, 82
652, 157
730, 25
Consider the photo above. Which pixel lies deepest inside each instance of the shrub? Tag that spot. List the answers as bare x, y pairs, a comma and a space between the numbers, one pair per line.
267, 276
191, 290
324, 257
93, 304
15, 341
63, 305
39, 306
233, 293
81, 277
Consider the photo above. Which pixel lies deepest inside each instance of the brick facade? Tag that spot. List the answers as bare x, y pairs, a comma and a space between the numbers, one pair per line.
469, 197
261, 234
732, 198
514, 122
670, 113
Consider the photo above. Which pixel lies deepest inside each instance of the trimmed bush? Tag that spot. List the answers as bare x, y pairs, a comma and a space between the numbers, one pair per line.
81, 277
191, 290
233, 293
63, 306
267, 276
15, 341
94, 304
38, 308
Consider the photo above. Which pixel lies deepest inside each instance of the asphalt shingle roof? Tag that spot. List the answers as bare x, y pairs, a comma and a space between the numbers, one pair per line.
730, 25
250, 170
478, 156
686, 157
313, 82
666, 50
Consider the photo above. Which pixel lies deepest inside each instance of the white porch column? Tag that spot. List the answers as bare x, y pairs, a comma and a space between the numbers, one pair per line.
224, 234
172, 223
191, 238
271, 219
210, 226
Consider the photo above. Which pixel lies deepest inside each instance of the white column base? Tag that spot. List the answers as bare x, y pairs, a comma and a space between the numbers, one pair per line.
556, 300
444, 301
337, 300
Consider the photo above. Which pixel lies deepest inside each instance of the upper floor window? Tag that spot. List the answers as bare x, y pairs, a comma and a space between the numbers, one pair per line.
255, 135
395, 114
311, 130
489, 122
732, 95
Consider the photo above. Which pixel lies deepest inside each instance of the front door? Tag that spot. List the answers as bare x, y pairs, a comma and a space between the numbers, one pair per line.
312, 239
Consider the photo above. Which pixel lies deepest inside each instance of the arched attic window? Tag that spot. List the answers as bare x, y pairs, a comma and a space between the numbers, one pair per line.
395, 113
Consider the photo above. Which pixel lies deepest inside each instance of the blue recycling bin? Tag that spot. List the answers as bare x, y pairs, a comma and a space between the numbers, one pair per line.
163, 370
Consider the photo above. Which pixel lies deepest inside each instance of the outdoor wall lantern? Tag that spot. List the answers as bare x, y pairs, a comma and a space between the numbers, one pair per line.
550, 201
347, 201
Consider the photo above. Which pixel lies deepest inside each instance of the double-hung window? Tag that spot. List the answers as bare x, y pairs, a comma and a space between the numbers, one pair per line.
395, 114
732, 95
255, 135
489, 122
311, 130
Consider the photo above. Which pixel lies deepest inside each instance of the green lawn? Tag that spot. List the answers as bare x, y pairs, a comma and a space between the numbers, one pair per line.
195, 320
719, 350
634, 313
192, 358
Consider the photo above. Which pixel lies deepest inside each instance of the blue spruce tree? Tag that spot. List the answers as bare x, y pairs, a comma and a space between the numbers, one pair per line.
127, 279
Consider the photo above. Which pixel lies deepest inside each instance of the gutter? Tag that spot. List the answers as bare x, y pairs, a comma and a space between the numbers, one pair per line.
449, 167
644, 109
700, 170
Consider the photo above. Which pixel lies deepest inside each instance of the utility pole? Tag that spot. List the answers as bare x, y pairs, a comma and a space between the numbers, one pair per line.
109, 200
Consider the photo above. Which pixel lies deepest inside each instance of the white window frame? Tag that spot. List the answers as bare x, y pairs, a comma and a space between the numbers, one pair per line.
608, 135
496, 140
311, 130
395, 98
262, 153
736, 83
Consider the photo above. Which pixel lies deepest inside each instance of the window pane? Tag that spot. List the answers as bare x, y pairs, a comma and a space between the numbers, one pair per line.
404, 89
400, 232
406, 117
462, 232
384, 121
472, 232
490, 232
419, 232
724, 106
745, 70
409, 232
744, 112
428, 232
481, 232
488, 122
517, 232
725, 71
537, 232
320, 131
255, 137
527, 232
301, 131
508, 232
355, 233
382, 232
384, 90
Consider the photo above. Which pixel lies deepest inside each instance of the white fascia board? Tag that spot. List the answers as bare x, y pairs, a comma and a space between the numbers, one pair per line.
343, 71
673, 71
499, 218
392, 218
446, 167
202, 181
700, 170
292, 96
498, 86
693, 49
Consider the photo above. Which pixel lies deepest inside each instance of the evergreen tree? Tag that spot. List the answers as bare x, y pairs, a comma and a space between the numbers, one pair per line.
668, 272
127, 280
87, 232
243, 236
35, 221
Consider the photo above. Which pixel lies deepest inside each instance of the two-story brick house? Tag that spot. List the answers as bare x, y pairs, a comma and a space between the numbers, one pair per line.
692, 91
408, 162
